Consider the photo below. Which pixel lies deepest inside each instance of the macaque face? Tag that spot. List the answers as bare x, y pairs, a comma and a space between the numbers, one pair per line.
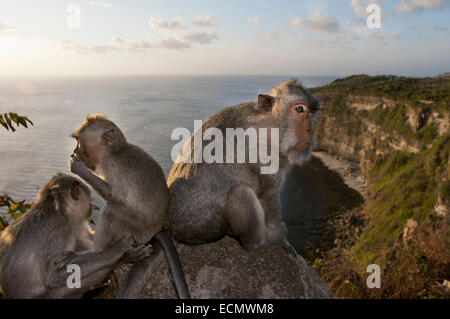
80, 201
302, 113
89, 151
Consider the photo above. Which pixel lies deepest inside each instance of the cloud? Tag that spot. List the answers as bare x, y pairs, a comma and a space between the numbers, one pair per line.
179, 43
87, 49
100, 4
422, 28
360, 6
170, 43
420, 5
319, 43
272, 39
201, 38
350, 36
318, 22
384, 38
204, 21
438, 28
255, 21
5, 28
176, 24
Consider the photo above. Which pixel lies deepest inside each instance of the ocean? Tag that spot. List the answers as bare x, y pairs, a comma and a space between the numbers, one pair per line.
146, 108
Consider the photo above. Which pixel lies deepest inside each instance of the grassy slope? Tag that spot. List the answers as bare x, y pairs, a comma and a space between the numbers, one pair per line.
403, 185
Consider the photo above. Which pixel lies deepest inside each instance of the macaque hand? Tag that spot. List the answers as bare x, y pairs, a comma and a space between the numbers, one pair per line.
77, 166
134, 252
63, 260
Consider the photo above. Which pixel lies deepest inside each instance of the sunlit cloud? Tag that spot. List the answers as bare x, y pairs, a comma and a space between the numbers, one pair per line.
176, 24
179, 42
201, 38
413, 6
88, 49
318, 22
204, 20
170, 43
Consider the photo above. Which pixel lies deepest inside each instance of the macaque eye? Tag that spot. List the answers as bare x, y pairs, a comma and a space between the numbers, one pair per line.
301, 108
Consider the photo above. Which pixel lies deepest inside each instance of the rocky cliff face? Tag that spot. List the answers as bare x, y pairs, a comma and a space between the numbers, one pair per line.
397, 130
354, 127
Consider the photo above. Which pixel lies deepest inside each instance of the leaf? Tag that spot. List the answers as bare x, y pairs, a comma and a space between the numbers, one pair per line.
3, 224
3, 122
14, 117
8, 121
23, 121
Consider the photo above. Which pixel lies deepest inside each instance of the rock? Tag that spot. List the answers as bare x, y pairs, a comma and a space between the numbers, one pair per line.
224, 270
409, 230
443, 288
441, 208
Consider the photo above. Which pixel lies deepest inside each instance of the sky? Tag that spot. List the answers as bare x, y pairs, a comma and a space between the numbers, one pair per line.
143, 37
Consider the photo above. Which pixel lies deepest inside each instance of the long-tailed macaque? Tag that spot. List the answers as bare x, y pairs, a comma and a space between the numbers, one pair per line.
38, 250
210, 200
135, 188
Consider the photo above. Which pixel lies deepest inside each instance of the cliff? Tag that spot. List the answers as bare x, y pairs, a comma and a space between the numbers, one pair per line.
385, 113
397, 130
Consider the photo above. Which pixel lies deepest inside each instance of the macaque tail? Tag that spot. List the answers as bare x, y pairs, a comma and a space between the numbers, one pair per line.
174, 264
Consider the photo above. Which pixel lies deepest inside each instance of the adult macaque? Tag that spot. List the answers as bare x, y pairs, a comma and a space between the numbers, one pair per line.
209, 201
134, 186
37, 250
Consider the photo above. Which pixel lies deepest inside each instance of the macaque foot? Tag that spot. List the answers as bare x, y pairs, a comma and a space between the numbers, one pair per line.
276, 233
136, 254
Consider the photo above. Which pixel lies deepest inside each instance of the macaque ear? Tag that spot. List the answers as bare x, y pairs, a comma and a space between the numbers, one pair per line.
109, 137
265, 102
75, 190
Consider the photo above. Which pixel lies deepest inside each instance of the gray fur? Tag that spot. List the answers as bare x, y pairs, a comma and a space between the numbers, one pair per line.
36, 249
134, 186
209, 201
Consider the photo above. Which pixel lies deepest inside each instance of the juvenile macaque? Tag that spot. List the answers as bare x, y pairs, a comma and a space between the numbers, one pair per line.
210, 200
37, 250
134, 186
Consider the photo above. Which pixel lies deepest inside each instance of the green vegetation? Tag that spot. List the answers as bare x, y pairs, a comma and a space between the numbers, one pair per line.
7, 120
435, 89
15, 208
402, 185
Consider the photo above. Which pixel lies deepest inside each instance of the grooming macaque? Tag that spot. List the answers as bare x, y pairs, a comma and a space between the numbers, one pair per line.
37, 250
210, 200
134, 186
